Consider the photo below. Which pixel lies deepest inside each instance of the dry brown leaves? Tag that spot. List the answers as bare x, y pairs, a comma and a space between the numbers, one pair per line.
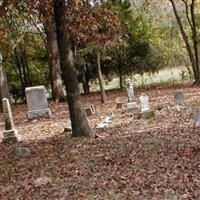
133, 159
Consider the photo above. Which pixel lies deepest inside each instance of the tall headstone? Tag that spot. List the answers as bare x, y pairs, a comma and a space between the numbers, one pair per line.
37, 103
130, 91
178, 98
146, 112
131, 105
10, 134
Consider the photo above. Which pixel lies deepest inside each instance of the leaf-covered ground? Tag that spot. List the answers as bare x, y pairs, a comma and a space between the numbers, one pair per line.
157, 159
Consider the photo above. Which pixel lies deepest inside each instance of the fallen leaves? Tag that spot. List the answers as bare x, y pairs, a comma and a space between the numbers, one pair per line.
131, 159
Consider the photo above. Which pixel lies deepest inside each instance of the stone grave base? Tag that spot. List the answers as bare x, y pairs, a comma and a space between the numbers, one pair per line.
11, 136
132, 107
147, 114
34, 114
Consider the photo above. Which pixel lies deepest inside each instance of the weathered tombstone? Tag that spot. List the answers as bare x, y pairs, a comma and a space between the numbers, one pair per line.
119, 103
10, 134
131, 105
146, 112
197, 119
178, 98
37, 103
130, 91
90, 110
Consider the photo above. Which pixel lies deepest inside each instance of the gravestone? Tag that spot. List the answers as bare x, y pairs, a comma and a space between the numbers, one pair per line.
131, 105
10, 134
119, 103
130, 91
146, 112
197, 119
178, 98
37, 103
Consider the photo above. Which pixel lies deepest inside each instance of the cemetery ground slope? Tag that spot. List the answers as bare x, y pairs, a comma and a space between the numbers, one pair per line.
153, 159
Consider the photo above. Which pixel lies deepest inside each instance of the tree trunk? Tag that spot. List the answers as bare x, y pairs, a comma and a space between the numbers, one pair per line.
85, 81
120, 79
4, 91
53, 57
186, 40
79, 122
195, 39
100, 78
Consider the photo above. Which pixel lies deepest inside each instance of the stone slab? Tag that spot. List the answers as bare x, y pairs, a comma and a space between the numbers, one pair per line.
34, 114
36, 98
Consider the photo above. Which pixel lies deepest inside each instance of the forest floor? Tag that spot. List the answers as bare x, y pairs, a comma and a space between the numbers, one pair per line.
156, 159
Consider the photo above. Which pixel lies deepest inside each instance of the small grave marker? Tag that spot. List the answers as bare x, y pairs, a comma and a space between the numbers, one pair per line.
178, 98
119, 103
146, 112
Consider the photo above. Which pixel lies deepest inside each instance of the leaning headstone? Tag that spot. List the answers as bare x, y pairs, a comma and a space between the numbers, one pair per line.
10, 134
90, 110
178, 98
197, 119
37, 103
146, 112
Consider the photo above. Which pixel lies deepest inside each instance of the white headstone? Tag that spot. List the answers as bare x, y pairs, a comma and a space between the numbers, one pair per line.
144, 101
10, 134
37, 102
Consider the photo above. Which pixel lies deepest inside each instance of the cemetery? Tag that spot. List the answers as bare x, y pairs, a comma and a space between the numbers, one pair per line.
157, 150
99, 100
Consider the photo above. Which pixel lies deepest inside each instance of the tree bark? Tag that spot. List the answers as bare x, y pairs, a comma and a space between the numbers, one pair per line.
53, 58
120, 78
86, 86
195, 38
4, 91
100, 78
79, 122
186, 41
